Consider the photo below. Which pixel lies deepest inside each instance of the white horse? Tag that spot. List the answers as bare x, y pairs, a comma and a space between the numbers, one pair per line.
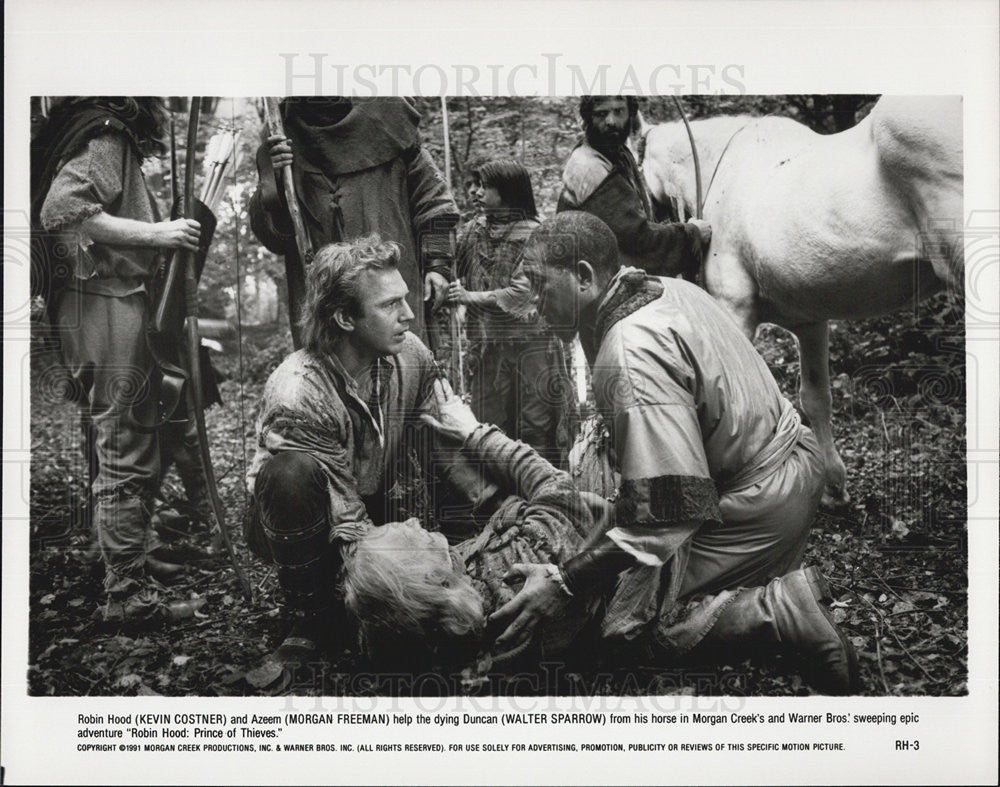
808, 228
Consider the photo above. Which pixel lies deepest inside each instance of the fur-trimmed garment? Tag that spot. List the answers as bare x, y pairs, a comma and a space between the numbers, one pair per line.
365, 173
613, 190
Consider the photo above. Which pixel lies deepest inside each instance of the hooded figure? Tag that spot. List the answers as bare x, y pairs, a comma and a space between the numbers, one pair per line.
358, 168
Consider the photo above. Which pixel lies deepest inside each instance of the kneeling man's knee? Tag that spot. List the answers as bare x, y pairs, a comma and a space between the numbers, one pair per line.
291, 492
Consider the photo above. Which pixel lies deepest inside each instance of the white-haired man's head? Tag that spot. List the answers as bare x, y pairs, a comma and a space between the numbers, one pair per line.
410, 601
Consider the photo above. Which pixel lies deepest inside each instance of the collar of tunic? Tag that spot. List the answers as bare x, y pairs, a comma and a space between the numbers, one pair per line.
368, 395
628, 291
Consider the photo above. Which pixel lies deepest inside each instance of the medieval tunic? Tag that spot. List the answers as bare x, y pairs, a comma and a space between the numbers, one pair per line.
360, 432
365, 174
719, 479
516, 364
615, 192
105, 176
488, 260
352, 429
542, 520
102, 317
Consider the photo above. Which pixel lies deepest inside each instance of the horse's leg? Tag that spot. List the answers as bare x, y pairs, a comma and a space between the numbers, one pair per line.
817, 404
727, 280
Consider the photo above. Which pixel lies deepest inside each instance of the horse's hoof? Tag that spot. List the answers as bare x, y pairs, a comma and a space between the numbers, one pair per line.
834, 500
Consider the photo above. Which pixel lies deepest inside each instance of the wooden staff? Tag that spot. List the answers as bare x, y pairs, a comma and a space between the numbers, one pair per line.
272, 113
453, 320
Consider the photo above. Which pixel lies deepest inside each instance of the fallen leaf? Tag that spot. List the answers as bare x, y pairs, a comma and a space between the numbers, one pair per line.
48, 598
180, 661
181, 610
127, 681
265, 674
143, 647
899, 528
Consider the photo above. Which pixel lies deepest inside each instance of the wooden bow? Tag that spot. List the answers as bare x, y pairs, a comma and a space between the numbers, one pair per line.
698, 206
196, 404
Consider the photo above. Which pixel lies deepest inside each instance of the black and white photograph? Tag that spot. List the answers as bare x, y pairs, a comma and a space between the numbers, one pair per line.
597, 408
456, 498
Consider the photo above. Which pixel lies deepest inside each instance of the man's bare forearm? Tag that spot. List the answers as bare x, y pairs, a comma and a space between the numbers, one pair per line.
116, 231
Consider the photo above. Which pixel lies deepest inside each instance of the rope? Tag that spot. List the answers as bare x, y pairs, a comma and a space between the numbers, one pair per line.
728, 142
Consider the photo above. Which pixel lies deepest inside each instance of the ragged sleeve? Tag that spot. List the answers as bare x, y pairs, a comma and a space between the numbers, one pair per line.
268, 211
87, 184
516, 466
434, 213
660, 249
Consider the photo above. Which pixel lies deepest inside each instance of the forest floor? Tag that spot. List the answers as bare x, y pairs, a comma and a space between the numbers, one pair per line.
896, 557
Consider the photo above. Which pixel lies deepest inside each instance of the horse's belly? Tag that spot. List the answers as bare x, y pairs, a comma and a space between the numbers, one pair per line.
849, 291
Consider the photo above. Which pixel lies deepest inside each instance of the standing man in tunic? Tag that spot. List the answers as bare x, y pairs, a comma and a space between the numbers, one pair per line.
90, 197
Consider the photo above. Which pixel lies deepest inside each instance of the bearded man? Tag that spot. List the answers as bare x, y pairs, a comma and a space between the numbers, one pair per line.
601, 177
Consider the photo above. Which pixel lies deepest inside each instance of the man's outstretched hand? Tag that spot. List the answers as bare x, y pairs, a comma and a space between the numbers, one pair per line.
455, 419
542, 600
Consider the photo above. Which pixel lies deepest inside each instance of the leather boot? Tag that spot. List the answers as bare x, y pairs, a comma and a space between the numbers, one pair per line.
164, 571
310, 633
131, 602
787, 613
